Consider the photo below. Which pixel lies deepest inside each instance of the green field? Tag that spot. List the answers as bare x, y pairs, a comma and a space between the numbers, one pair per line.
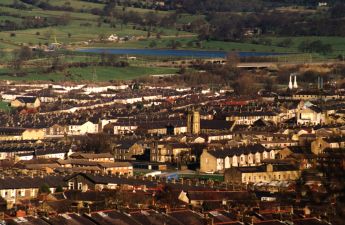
102, 74
85, 29
337, 43
75, 33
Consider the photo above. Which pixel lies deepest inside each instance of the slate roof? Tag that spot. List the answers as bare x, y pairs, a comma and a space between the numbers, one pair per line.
30, 220
11, 131
152, 217
217, 195
309, 221
26, 99
30, 182
113, 218
216, 124
69, 219
253, 113
299, 150
187, 217
333, 139
269, 222
91, 155
222, 153
263, 168
106, 179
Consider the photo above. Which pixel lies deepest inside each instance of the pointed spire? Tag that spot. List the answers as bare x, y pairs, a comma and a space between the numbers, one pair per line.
290, 83
295, 82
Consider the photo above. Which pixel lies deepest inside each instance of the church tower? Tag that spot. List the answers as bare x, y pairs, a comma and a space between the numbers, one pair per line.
193, 122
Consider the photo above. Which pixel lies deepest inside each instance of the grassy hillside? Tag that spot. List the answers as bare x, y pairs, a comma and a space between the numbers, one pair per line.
101, 74
29, 25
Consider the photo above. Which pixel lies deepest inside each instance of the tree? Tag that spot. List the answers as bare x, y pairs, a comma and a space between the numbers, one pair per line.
173, 44
48, 34
244, 85
153, 44
102, 36
268, 84
2, 53
25, 53
338, 10
44, 189
286, 42
232, 59
59, 189
140, 106
315, 46
18, 58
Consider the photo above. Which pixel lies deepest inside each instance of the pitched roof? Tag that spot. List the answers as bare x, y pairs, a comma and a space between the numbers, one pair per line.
253, 113
26, 99
222, 153
216, 124
30, 182
30, 220
217, 195
80, 155
69, 219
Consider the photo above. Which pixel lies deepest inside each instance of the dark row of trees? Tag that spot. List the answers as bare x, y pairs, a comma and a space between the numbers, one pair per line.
30, 22
315, 46
233, 27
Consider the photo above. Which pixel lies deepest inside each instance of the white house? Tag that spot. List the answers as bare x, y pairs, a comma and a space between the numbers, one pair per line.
113, 37
82, 128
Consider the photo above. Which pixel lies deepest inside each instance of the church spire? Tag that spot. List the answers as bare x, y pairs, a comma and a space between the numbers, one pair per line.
290, 83
295, 82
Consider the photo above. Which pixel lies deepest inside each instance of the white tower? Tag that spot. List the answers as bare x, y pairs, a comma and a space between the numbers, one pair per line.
290, 83
295, 83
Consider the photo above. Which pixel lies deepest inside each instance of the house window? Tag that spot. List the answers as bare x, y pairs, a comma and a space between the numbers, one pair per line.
71, 185
80, 185
21, 193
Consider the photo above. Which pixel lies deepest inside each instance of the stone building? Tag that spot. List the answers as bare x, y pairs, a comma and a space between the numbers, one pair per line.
263, 173
193, 122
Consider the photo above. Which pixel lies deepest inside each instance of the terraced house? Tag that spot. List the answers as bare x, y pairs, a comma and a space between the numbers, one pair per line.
248, 118
218, 160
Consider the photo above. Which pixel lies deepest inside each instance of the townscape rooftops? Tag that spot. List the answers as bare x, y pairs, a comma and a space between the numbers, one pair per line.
222, 153
69, 219
252, 113
29, 220
263, 168
218, 195
335, 139
216, 124
80, 155
30, 182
